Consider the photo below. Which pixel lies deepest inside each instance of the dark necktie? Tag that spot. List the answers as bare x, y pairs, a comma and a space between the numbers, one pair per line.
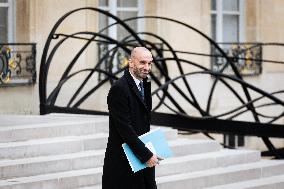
141, 89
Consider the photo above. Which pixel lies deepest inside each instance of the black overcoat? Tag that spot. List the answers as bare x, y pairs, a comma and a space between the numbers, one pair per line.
129, 117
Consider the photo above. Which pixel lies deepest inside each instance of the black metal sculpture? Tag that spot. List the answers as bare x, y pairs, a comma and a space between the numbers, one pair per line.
176, 114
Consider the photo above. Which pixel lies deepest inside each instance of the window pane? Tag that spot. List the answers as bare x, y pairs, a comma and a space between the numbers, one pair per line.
231, 5
127, 3
230, 28
103, 22
3, 24
3, 35
213, 4
213, 27
121, 32
103, 3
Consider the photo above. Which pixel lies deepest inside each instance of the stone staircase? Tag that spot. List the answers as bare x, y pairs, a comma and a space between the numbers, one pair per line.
60, 151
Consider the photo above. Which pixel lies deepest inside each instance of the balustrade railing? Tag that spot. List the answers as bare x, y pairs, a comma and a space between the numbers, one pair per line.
246, 57
17, 64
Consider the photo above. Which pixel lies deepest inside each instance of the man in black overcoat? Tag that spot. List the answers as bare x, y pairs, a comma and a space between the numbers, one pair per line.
129, 106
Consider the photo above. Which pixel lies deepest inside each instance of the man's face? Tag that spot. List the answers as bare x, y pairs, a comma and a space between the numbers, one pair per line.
140, 64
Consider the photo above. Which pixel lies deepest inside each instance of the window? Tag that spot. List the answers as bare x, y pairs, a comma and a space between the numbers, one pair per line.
227, 28
227, 20
122, 9
6, 21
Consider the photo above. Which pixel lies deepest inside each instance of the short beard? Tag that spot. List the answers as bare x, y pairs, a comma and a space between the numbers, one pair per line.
138, 74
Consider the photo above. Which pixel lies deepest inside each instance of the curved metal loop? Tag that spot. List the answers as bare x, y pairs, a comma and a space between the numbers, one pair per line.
165, 83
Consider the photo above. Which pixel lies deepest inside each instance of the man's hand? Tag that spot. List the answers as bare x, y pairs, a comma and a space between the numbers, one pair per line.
153, 161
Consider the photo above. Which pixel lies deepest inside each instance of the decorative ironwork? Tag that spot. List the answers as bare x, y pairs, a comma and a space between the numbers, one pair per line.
174, 96
246, 57
17, 64
119, 61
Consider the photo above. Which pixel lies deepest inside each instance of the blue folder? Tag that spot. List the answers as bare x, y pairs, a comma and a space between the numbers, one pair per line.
155, 141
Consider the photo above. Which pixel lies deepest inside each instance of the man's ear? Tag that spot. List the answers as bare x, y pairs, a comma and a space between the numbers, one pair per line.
129, 62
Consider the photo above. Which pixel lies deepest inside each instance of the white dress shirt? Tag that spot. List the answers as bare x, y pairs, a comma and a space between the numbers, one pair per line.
137, 81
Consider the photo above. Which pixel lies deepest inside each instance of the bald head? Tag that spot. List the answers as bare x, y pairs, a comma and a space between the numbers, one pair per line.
137, 51
140, 62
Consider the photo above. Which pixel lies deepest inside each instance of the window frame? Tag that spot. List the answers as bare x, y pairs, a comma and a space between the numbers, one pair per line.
114, 9
219, 12
11, 20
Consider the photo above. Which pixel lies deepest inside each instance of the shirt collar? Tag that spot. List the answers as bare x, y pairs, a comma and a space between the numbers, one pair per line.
137, 81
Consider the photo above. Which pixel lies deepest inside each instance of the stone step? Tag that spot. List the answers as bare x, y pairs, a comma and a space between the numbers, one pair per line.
217, 178
85, 157
19, 128
221, 176
248, 156
274, 182
66, 152
52, 128
51, 164
25, 120
52, 146
170, 134
94, 158
62, 180
183, 146
74, 115
17, 133
197, 162
72, 144
91, 187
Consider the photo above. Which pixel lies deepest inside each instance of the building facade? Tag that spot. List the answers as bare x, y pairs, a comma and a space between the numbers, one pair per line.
225, 21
